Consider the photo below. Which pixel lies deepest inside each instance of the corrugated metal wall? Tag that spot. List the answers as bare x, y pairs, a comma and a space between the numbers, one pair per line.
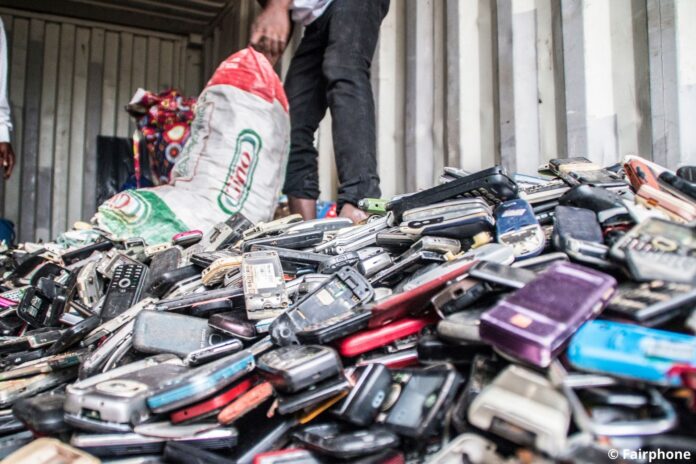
470, 83
465, 83
69, 82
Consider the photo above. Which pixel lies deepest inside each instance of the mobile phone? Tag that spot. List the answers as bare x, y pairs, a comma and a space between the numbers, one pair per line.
295, 367
157, 332
426, 395
640, 171
335, 300
326, 331
42, 414
295, 261
48, 450
659, 250
190, 303
547, 191
432, 349
77, 254
332, 440
541, 262
677, 209
134, 444
579, 170
577, 233
355, 238
492, 184
469, 447
225, 233
112, 260
404, 265
634, 411
525, 408
73, 335
324, 225
517, 227
125, 289
677, 186
373, 205
200, 382
215, 273
120, 339
188, 238
12, 390
455, 219
115, 400
500, 274
334, 263
607, 205
89, 285
30, 340
458, 295
416, 294
245, 403
287, 456
211, 407
294, 241
264, 288
160, 286
652, 303
272, 227
630, 351
534, 323
371, 385
394, 239
44, 365
462, 327
368, 340
233, 324
109, 327
312, 396
213, 352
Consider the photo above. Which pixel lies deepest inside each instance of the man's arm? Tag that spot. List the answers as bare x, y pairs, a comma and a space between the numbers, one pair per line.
271, 30
7, 156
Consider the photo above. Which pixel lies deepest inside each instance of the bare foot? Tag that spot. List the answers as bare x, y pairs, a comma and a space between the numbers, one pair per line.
354, 213
304, 206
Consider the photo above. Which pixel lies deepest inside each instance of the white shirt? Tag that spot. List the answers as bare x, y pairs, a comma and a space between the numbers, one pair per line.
5, 121
306, 11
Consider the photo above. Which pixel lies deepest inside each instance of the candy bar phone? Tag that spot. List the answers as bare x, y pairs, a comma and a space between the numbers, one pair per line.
631, 351
264, 288
292, 368
516, 226
534, 323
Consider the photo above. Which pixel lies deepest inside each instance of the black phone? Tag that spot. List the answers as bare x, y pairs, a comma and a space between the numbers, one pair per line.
125, 289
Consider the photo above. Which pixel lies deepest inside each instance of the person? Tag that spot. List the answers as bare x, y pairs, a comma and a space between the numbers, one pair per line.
7, 156
329, 70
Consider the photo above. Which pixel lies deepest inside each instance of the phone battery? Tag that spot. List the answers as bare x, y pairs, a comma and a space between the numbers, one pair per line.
264, 288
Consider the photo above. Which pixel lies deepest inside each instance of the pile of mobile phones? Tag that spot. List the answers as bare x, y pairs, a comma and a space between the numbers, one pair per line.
492, 318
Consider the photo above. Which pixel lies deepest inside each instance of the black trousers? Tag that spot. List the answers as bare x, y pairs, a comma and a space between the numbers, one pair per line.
331, 69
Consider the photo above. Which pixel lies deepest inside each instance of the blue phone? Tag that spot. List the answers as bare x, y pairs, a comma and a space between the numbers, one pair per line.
631, 351
517, 226
201, 382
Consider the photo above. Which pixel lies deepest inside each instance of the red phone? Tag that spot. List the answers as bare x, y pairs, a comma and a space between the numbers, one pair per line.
368, 340
415, 299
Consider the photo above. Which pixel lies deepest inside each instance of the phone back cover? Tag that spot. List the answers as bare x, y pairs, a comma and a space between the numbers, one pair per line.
534, 322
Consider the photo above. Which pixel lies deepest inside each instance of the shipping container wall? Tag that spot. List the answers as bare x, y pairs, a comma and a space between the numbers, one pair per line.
471, 83
69, 83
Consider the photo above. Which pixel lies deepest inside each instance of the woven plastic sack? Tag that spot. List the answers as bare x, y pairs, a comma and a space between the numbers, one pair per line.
233, 162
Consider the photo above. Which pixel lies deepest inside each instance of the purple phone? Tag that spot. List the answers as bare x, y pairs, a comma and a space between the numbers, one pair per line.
534, 323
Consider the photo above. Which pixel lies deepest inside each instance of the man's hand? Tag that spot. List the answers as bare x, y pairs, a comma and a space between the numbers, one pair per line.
270, 31
7, 158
